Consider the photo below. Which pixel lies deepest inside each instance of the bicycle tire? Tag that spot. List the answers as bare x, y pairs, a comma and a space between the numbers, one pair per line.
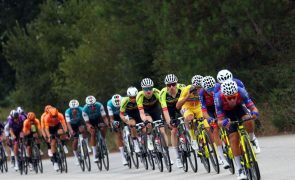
3, 165
80, 159
24, 163
99, 162
165, 153
127, 157
105, 155
213, 155
133, 155
204, 159
229, 158
183, 159
35, 157
254, 170
86, 158
191, 154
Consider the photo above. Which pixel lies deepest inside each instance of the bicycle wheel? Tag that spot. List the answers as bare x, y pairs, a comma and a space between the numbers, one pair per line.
23, 161
3, 160
202, 154
134, 156
212, 152
86, 158
99, 151
81, 159
254, 168
150, 159
191, 154
229, 158
127, 157
105, 155
35, 157
165, 153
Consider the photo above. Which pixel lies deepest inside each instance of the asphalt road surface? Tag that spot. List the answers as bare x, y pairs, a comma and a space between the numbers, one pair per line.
276, 161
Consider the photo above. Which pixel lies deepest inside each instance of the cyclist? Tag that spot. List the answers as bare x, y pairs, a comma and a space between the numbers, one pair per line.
42, 123
94, 114
208, 109
31, 128
223, 76
9, 139
113, 106
190, 105
148, 103
15, 129
55, 125
130, 115
169, 96
229, 106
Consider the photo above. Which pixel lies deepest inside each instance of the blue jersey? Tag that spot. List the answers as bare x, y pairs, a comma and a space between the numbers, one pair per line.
221, 104
93, 112
112, 110
239, 83
74, 115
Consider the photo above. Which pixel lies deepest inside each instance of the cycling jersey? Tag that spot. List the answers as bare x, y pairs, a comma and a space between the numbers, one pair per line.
16, 126
207, 100
74, 115
49, 121
112, 110
239, 83
129, 108
31, 126
143, 102
93, 113
167, 100
192, 102
222, 105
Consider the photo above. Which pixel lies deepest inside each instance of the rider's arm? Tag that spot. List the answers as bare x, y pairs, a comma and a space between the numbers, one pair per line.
111, 114
123, 105
104, 115
246, 99
139, 101
62, 121
164, 105
218, 108
68, 120
12, 133
26, 129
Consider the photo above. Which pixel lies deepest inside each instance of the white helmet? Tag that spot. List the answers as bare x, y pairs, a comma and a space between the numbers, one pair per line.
147, 82
197, 80
90, 100
74, 103
19, 110
170, 78
229, 88
208, 82
132, 91
224, 75
116, 100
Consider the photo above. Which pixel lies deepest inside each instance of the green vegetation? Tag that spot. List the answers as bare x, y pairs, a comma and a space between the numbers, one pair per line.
69, 49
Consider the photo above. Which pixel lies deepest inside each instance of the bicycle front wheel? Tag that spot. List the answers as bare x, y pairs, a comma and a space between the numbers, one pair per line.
23, 161
191, 154
212, 152
105, 155
254, 168
86, 158
134, 156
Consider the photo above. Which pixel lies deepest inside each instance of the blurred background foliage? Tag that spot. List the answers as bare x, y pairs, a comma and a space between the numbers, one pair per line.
55, 50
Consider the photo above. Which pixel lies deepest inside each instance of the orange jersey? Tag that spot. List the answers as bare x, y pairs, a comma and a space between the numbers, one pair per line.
49, 121
29, 125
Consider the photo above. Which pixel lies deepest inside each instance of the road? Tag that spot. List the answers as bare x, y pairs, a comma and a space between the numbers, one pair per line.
276, 161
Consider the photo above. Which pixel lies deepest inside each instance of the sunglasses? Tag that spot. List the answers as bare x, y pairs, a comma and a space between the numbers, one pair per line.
147, 88
132, 97
232, 97
172, 84
210, 90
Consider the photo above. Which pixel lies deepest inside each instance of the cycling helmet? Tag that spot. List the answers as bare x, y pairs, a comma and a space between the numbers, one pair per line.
229, 88
132, 91
53, 111
147, 82
19, 110
197, 80
116, 100
208, 82
74, 103
31, 116
224, 75
170, 78
90, 100
15, 114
